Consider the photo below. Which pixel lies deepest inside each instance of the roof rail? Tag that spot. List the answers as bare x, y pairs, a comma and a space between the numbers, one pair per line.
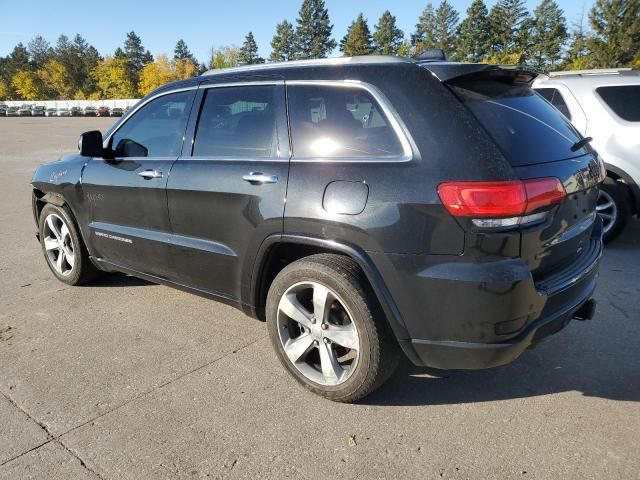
600, 71
362, 60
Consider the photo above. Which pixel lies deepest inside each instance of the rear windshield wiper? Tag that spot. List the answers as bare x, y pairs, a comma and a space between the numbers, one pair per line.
580, 143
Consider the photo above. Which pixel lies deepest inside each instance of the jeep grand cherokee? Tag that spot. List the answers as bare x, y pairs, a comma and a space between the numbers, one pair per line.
363, 207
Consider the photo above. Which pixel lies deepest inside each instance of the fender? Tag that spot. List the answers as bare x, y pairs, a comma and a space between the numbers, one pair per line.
380, 289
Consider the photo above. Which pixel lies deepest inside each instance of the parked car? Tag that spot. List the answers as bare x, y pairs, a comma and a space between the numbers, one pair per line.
89, 111
3, 110
38, 111
102, 111
116, 112
605, 105
51, 112
76, 111
13, 111
63, 112
439, 209
25, 111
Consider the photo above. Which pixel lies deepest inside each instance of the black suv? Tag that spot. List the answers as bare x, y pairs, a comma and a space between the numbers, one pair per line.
362, 206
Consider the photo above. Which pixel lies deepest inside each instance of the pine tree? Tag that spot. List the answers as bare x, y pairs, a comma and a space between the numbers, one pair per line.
135, 57
473, 34
40, 51
506, 20
387, 37
549, 34
616, 32
248, 53
283, 43
357, 41
182, 52
577, 55
424, 37
446, 23
313, 33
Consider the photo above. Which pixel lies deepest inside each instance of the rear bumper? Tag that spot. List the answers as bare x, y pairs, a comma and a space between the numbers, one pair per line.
475, 323
472, 356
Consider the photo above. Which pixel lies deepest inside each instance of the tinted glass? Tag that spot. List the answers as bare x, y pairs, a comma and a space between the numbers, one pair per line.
345, 122
547, 93
560, 104
524, 126
238, 122
156, 129
624, 100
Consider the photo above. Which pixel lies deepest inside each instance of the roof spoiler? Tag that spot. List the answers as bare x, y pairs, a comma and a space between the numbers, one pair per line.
446, 71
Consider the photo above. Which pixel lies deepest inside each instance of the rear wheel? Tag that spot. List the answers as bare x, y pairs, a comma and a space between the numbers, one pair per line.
614, 208
63, 248
327, 329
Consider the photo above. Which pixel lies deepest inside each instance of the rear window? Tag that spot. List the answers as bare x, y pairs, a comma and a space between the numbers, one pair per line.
524, 126
624, 100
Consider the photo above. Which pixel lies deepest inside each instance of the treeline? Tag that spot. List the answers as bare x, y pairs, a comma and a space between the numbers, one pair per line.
507, 33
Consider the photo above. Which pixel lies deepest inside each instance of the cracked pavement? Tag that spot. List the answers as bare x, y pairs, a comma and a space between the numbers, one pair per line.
126, 379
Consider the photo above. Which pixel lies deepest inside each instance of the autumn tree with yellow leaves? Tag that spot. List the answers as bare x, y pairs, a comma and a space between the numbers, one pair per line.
112, 79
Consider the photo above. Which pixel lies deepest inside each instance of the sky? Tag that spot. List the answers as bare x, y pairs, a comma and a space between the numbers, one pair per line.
202, 24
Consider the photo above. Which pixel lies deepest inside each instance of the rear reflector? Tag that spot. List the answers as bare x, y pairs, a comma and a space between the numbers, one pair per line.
500, 199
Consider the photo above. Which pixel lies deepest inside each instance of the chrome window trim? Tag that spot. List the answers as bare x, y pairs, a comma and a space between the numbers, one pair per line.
138, 106
240, 83
389, 112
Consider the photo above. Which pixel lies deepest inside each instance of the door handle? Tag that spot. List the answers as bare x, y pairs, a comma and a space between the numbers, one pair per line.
149, 174
258, 178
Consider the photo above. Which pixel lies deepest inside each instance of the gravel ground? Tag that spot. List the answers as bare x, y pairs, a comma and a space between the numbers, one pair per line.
126, 379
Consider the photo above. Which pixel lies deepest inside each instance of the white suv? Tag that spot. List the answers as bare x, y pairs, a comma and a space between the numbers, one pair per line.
605, 105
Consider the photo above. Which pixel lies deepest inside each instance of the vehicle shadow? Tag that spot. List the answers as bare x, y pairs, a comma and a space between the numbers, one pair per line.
528, 376
119, 280
629, 240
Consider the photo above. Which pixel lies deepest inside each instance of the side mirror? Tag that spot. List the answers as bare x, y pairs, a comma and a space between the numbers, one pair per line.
90, 144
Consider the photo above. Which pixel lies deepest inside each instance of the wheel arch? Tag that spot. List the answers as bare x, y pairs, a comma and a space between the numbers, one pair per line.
619, 175
41, 198
270, 261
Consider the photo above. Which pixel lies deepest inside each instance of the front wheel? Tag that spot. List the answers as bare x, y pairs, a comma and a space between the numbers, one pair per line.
327, 329
63, 248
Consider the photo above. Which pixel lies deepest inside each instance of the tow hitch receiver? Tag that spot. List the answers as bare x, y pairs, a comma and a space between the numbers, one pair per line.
586, 311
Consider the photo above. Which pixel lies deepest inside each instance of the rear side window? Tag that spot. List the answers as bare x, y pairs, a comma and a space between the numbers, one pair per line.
624, 100
239, 122
523, 125
156, 129
334, 121
555, 98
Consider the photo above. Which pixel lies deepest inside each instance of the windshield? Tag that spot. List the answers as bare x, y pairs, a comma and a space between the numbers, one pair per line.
527, 128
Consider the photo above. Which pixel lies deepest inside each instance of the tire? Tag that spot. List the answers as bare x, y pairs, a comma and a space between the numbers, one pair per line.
59, 236
614, 207
351, 350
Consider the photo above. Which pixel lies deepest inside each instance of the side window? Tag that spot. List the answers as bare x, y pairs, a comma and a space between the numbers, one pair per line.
339, 122
560, 104
546, 93
624, 100
239, 122
156, 130
555, 98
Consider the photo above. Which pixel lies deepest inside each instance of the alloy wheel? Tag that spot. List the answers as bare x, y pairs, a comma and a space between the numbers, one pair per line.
606, 208
58, 244
317, 333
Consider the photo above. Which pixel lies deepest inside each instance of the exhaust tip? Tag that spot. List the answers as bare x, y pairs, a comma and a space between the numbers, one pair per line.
586, 311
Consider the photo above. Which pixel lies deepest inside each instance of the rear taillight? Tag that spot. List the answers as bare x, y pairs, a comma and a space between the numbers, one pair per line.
501, 204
